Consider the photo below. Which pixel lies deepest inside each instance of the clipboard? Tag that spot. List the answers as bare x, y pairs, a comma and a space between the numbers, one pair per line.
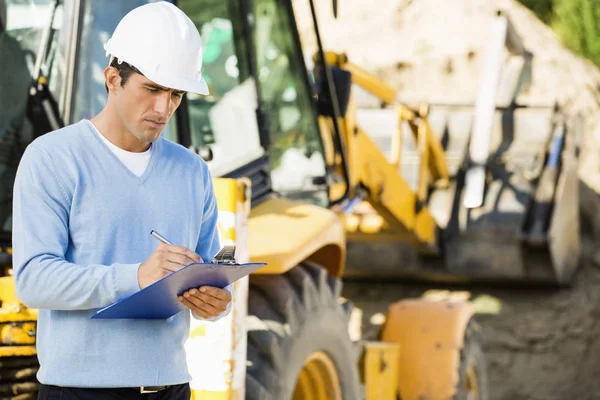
159, 300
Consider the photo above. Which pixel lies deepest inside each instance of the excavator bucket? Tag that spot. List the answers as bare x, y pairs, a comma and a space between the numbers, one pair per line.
511, 209
527, 226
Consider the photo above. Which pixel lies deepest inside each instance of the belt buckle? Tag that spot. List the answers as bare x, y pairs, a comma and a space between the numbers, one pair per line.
143, 389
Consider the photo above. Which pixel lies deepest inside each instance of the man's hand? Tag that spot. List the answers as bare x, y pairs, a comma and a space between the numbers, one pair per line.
165, 259
206, 301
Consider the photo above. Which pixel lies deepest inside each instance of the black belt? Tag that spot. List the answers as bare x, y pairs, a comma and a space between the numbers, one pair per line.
152, 389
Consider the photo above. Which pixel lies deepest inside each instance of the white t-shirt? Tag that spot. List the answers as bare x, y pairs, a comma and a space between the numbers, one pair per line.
135, 162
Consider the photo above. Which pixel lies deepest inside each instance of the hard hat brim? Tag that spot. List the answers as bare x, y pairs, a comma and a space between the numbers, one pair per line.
173, 82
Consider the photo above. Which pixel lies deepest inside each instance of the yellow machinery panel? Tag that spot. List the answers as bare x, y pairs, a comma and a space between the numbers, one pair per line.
223, 342
380, 370
431, 334
17, 323
398, 213
283, 233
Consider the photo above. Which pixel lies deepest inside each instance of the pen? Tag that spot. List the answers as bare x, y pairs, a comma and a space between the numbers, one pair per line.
159, 237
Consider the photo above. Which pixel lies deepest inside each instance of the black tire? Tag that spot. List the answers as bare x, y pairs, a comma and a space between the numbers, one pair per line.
290, 317
472, 357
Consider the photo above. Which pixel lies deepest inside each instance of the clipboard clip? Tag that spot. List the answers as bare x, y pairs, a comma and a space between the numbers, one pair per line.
225, 256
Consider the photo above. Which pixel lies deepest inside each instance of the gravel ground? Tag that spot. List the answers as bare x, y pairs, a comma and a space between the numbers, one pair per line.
542, 345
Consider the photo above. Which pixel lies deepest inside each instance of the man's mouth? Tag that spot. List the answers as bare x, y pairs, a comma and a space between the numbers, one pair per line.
156, 124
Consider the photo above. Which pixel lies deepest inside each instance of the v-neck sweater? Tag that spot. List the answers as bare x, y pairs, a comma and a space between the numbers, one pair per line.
134, 161
81, 228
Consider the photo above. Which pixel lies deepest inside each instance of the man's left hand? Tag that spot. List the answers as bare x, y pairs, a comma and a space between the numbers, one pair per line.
206, 301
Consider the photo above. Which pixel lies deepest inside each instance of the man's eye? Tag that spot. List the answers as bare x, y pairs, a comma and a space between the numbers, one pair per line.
151, 90
178, 95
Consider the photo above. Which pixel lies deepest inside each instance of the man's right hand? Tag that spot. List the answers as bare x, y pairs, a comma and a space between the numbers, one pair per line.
165, 259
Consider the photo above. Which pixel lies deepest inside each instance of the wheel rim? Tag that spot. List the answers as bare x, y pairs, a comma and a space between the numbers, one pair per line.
318, 379
471, 384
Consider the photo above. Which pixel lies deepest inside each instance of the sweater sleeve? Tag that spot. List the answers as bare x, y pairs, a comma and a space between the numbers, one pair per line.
44, 279
209, 243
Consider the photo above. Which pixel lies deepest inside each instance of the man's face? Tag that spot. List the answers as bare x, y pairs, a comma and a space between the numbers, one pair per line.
145, 107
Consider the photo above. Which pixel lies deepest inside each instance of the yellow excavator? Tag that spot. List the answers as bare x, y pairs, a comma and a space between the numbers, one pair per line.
486, 192
321, 191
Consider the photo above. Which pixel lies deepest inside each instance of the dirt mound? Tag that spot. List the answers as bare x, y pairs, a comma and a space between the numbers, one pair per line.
432, 51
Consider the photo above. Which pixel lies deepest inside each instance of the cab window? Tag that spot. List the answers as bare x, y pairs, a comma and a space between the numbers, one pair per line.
223, 121
296, 153
22, 25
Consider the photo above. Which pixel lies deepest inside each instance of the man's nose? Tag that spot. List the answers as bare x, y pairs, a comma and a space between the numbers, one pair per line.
162, 105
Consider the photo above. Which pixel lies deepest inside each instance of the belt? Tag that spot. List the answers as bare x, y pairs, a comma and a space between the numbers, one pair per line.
152, 389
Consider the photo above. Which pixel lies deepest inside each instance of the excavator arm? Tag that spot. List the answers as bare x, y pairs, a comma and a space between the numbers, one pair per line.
400, 212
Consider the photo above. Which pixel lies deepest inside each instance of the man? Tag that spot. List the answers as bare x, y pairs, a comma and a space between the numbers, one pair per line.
86, 199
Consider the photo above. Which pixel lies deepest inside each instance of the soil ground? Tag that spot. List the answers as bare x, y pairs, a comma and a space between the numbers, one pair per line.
542, 345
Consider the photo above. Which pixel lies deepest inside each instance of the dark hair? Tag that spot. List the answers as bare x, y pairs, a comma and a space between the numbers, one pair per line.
125, 71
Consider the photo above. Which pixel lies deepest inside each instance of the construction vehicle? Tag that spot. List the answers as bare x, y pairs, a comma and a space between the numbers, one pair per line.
299, 185
493, 185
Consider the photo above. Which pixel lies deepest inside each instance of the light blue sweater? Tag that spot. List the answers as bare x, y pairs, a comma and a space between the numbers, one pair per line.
81, 228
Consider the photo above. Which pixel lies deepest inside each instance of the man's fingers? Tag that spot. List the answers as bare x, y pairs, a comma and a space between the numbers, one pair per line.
221, 294
194, 300
220, 305
170, 266
217, 304
184, 251
179, 259
198, 311
199, 303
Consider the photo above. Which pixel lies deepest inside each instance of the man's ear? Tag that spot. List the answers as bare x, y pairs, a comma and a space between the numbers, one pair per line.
112, 79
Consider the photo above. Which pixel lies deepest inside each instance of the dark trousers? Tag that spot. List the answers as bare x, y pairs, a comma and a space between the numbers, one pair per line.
176, 392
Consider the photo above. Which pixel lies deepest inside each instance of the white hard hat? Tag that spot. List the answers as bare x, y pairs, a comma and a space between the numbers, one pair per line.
163, 44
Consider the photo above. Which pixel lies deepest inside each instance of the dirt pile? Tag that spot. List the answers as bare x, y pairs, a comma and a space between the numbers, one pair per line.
433, 51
